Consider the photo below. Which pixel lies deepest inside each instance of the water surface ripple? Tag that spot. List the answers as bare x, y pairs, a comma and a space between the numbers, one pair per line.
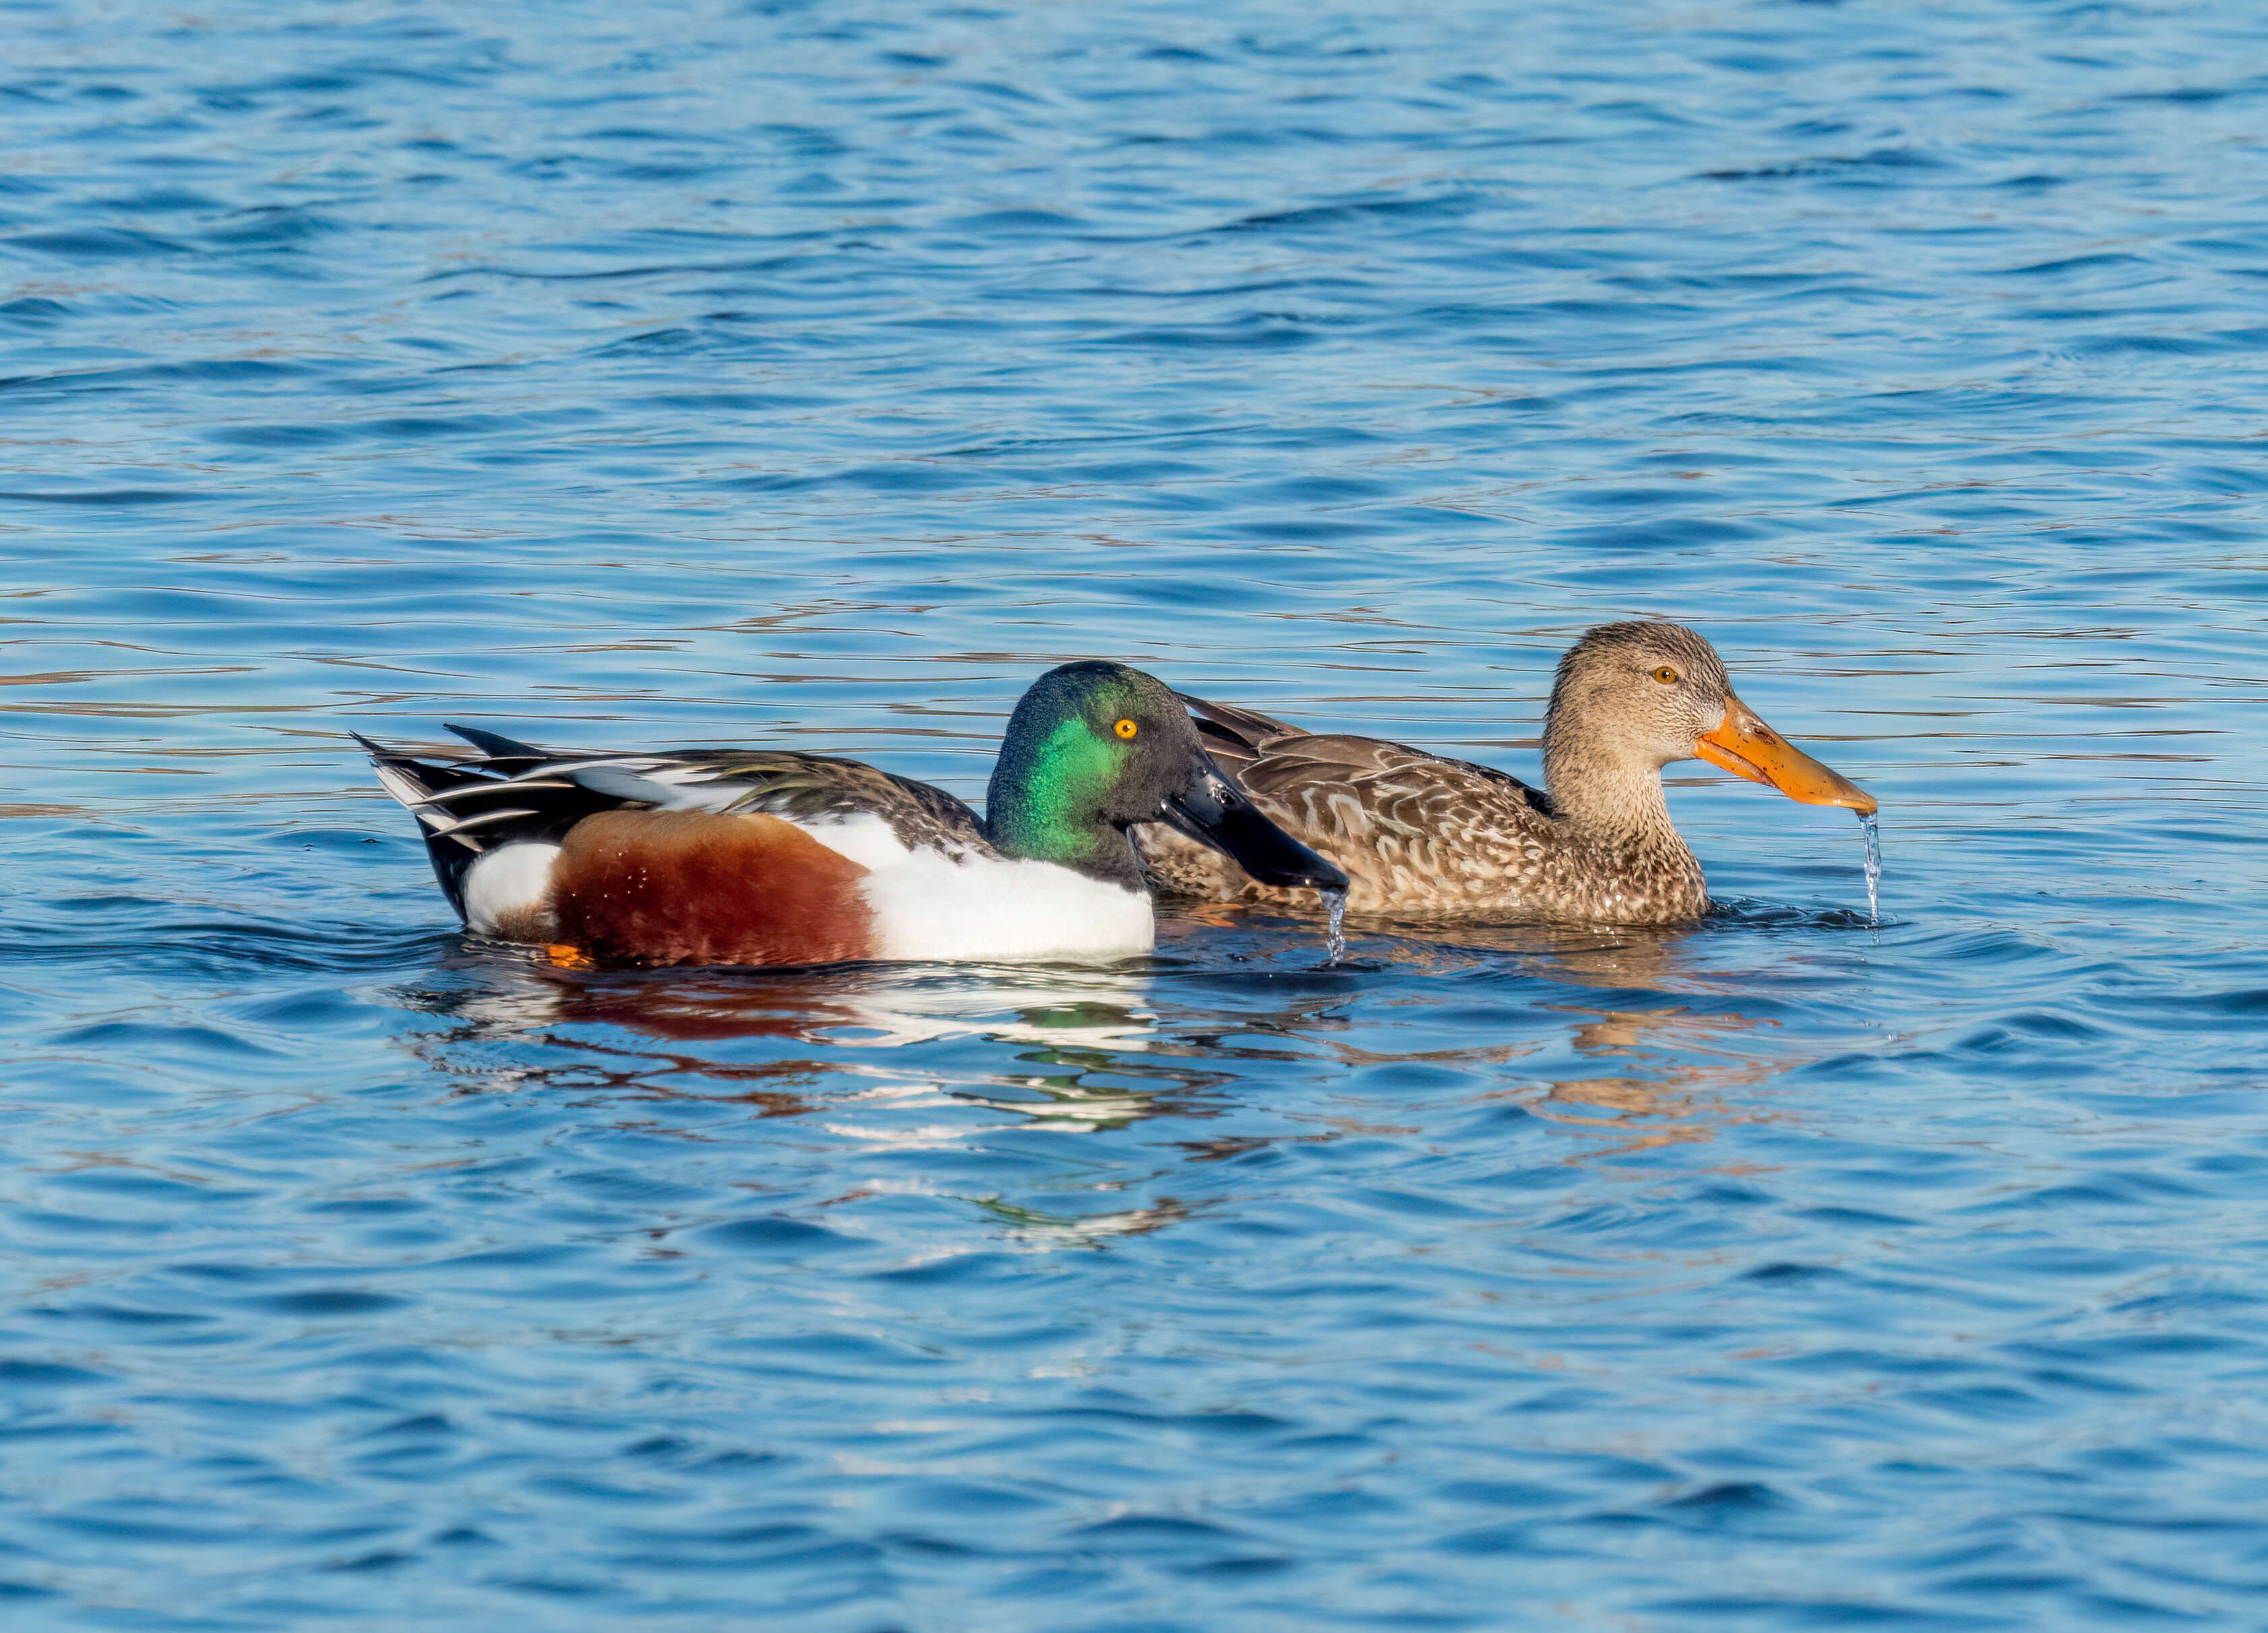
811, 372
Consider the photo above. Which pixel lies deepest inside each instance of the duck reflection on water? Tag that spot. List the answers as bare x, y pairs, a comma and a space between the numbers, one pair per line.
618, 1026
1191, 1037
1680, 1056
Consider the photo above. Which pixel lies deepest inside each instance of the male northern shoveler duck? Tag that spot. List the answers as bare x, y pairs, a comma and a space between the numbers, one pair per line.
1424, 836
715, 856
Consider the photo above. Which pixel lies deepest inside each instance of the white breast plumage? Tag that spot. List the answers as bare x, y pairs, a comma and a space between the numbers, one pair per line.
931, 905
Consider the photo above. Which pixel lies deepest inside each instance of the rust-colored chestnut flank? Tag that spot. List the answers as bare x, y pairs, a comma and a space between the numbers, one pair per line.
688, 887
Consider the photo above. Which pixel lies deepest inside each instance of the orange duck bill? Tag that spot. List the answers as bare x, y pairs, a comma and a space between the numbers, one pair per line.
1746, 747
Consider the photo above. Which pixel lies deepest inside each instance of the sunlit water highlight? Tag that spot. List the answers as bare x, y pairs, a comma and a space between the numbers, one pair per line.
814, 374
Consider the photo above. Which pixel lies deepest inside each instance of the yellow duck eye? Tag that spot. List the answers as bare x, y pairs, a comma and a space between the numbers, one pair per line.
1667, 675
1126, 728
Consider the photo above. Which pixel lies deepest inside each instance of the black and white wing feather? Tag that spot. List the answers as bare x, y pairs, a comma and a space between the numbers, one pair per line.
515, 792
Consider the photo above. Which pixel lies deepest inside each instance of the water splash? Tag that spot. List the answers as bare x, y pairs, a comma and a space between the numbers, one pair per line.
1337, 901
1870, 829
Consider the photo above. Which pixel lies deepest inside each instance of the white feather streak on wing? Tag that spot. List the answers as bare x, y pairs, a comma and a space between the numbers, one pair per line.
511, 881
400, 784
931, 907
487, 785
443, 826
568, 767
661, 785
686, 793
619, 782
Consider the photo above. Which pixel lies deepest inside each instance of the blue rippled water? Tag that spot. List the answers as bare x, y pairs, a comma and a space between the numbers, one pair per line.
812, 373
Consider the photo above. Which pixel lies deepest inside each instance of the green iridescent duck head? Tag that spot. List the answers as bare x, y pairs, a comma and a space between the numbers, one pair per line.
1095, 748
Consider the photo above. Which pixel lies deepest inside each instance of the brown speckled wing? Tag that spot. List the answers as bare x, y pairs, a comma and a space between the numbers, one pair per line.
1416, 833
1234, 737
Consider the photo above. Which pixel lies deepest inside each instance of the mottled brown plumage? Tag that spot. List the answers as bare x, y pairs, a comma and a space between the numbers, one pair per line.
1424, 836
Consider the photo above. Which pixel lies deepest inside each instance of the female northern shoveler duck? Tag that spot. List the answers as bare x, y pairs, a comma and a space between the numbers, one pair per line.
1421, 835
770, 857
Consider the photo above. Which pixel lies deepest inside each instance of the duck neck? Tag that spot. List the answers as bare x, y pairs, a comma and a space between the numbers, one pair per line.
1045, 803
1615, 806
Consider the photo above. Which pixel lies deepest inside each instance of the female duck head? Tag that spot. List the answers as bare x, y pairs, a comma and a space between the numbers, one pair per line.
1095, 748
1630, 698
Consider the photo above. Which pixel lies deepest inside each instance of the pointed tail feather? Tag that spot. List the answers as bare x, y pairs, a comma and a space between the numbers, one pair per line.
465, 809
496, 745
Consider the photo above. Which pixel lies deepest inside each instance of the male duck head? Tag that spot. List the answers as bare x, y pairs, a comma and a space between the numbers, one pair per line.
1631, 697
1095, 748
